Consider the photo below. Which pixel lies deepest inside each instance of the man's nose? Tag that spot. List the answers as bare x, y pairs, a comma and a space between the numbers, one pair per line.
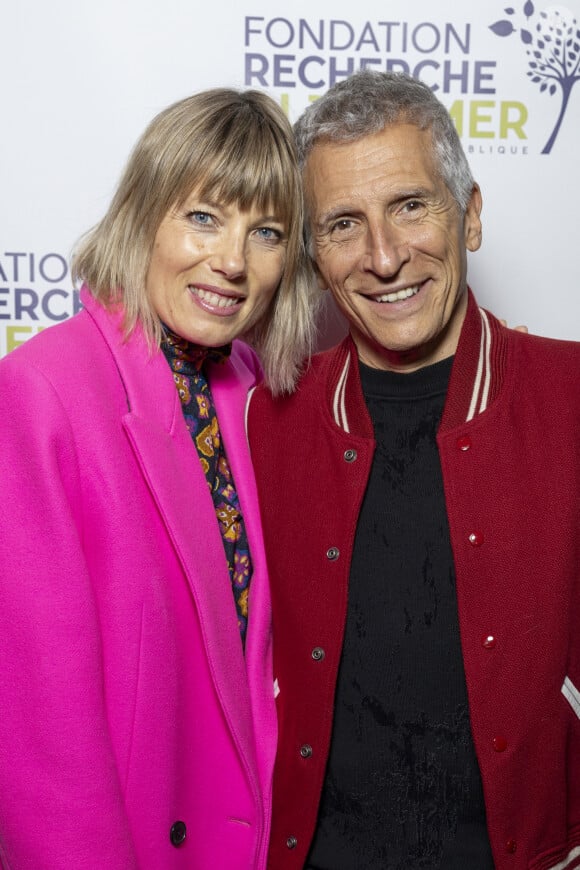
386, 250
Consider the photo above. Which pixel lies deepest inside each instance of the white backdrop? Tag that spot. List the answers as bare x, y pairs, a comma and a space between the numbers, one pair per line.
80, 80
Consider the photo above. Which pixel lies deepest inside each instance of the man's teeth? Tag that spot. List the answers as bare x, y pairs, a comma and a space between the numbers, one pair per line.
396, 297
214, 299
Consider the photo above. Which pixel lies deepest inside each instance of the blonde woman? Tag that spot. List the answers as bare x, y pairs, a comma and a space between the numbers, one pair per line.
138, 725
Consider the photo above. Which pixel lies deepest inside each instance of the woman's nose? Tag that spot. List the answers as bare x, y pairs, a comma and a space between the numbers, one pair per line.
229, 255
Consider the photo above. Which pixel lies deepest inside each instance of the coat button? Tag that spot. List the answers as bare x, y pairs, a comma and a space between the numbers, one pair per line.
317, 653
488, 641
332, 553
291, 842
511, 846
177, 833
499, 744
306, 750
476, 539
350, 455
463, 443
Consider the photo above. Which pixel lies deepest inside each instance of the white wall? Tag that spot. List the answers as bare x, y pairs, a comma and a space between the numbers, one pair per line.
80, 80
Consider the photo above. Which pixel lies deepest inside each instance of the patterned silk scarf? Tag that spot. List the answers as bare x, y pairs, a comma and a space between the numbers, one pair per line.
186, 361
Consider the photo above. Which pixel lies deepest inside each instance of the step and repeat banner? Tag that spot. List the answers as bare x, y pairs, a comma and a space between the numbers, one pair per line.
79, 81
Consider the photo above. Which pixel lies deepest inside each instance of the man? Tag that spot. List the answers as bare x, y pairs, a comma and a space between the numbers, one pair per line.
419, 495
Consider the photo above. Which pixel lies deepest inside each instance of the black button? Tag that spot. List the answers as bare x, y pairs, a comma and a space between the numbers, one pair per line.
306, 750
177, 833
291, 842
332, 553
318, 654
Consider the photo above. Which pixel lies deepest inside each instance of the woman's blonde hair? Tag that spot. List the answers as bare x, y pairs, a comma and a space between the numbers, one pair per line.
232, 146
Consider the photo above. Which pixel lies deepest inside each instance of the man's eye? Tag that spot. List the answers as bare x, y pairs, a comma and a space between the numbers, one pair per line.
342, 224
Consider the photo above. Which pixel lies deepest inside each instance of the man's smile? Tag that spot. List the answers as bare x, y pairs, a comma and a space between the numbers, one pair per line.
397, 295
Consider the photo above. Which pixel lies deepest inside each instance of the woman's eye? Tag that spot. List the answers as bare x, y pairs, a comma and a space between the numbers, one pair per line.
200, 217
269, 234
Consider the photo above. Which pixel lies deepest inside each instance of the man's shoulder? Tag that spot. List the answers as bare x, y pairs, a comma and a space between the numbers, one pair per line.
545, 345
317, 377
551, 355
281, 428
545, 368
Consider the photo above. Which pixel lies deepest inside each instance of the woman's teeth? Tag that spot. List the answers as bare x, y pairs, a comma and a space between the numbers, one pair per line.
214, 298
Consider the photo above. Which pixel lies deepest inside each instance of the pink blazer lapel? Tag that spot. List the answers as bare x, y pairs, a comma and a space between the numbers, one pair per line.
166, 455
179, 488
230, 384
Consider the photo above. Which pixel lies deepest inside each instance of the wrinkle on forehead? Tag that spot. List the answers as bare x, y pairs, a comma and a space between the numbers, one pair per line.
375, 170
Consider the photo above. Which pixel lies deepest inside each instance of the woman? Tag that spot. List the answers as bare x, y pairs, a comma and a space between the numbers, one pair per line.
138, 724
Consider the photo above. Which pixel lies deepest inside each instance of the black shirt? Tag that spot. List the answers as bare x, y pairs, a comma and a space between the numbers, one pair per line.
402, 787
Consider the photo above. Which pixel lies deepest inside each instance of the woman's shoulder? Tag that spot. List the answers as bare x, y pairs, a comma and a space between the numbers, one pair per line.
66, 360
245, 359
52, 345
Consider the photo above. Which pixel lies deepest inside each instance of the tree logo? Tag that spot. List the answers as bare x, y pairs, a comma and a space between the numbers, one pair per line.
552, 40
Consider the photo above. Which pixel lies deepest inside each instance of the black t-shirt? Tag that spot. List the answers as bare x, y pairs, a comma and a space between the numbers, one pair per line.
402, 787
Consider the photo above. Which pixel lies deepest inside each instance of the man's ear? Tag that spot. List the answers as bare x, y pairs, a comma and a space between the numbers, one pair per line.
472, 220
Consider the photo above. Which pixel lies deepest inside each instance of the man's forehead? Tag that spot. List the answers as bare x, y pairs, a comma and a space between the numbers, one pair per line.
395, 161
395, 139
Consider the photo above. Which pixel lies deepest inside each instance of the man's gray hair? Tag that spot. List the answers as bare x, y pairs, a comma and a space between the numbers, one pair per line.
367, 102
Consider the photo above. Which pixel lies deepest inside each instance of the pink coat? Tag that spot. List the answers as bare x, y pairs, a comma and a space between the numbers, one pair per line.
126, 705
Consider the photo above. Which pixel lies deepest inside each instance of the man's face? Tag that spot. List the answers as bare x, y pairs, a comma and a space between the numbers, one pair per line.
390, 244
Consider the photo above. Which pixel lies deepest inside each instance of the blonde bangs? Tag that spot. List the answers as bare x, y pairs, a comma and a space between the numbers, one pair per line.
245, 164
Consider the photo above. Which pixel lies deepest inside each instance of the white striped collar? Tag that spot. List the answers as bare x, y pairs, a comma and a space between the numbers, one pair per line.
481, 386
338, 403
570, 859
480, 394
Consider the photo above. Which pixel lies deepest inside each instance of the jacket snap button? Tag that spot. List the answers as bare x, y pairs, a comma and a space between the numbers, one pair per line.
317, 653
488, 641
499, 744
332, 553
476, 538
177, 833
463, 443
306, 750
291, 842
511, 846
350, 455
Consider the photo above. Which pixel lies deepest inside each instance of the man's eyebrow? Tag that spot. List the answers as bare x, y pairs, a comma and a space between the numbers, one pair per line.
419, 192
416, 193
334, 214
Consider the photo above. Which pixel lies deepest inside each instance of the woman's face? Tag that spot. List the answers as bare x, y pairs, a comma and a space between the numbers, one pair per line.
214, 269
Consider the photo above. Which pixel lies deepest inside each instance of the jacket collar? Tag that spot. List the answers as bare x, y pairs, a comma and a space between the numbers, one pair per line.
476, 375
137, 365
